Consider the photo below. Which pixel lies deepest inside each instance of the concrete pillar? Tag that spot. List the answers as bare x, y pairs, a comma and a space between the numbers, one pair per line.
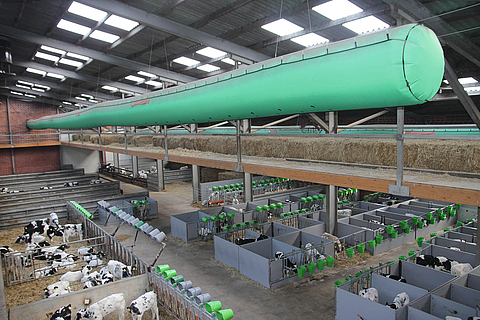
331, 223
160, 175
247, 187
196, 183
135, 166
116, 160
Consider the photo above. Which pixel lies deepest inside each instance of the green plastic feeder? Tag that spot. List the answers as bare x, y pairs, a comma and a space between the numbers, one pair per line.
446, 229
438, 211
238, 185
432, 220
420, 224
244, 224
136, 203
301, 271
176, 279
221, 216
443, 216
262, 181
459, 224
254, 183
232, 186
433, 235
339, 282
361, 248
411, 254
458, 206
403, 224
213, 218
214, 189
350, 252
415, 220
420, 241
139, 224
232, 215
469, 220
144, 202
266, 207
309, 199
288, 214
282, 215
167, 274
321, 196
429, 214
365, 197
389, 229
237, 225
205, 219
220, 188
453, 213
253, 222
339, 192
227, 228
379, 239
394, 234
402, 257
320, 264
339, 203
303, 200
330, 261
371, 244
316, 198
311, 267
225, 314
213, 306
407, 229
280, 205
162, 268
303, 210
258, 208
273, 206
296, 211
346, 201
226, 187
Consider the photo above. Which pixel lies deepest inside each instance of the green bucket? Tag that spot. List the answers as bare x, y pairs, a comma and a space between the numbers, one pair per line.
415, 220
205, 219
403, 224
330, 261
458, 206
389, 229
420, 241
311, 267
371, 244
402, 257
459, 224
339, 282
394, 234
443, 216
407, 229
350, 252
429, 215
411, 253
213, 306
167, 274
225, 314
420, 224
301, 271
453, 213
446, 229
432, 220
379, 239
162, 268
176, 279
432, 235
361, 248
221, 216
320, 264
230, 215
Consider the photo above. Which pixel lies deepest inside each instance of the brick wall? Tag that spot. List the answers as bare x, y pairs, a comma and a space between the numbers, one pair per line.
30, 159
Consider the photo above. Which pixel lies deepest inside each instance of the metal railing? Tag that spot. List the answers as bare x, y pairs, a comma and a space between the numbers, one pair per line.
37, 138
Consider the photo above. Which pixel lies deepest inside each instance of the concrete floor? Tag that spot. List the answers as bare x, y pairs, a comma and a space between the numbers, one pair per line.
309, 298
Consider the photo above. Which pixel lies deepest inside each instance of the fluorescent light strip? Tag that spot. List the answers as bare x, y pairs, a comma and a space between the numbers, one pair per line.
77, 56
153, 83
69, 62
24, 82
208, 68
47, 48
30, 95
86, 11
104, 36
32, 70
22, 86
337, 9
211, 52
229, 61
46, 56
186, 61
86, 95
73, 27
109, 88
17, 93
67, 103
55, 75
81, 98
282, 27
135, 79
38, 89
121, 23
467, 80
94, 101
146, 74
42, 86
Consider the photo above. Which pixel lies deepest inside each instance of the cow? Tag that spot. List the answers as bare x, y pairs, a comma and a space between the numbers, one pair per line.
402, 299
147, 301
64, 313
98, 310
70, 230
370, 294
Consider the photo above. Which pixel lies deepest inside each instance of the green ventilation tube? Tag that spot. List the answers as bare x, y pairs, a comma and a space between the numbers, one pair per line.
400, 66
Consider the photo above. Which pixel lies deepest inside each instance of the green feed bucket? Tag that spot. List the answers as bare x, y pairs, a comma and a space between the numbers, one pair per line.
459, 224
420, 241
433, 235
389, 229
339, 282
163, 267
402, 257
167, 274
411, 253
311, 267
429, 215
371, 244
432, 220
213, 306
403, 224
394, 234
453, 213
379, 239
361, 248
415, 220
231, 215
350, 252
443, 216
330, 261
407, 229
301, 271
205, 219
176, 279
446, 229
225, 314
458, 206
320, 264
420, 224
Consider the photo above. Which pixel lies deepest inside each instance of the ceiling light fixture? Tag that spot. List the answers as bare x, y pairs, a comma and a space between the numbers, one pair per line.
104, 36
121, 23
337, 9
186, 61
282, 27
86, 11
211, 52
73, 27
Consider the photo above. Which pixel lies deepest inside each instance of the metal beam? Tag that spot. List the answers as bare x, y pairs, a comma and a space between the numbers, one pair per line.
416, 11
175, 28
135, 30
353, 124
322, 26
94, 54
319, 121
275, 122
213, 126
462, 95
82, 77
53, 95
169, 7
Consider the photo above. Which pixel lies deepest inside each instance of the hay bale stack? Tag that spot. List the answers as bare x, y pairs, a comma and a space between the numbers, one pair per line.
93, 138
110, 138
157, 141
76, 137
142, 141
229, 175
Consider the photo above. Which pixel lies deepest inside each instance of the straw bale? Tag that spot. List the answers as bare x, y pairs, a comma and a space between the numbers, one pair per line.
142, 141
158, 141
350, 262
229, 175
76, 137
110, 138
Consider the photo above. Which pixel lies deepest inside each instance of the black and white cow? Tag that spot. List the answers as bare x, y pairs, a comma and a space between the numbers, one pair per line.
428, 261
147, 301
119, 270
70, 230
370, 294
402, 299
39, 227
241, 241
4, 250
98, 310
64, 313
57, 286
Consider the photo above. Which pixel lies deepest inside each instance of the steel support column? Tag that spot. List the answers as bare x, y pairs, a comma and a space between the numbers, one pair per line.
397, 188
477, 248
247, 187
331, 223
239, 167
196, 183
160, 175
3, 304
165, 158
135, 166
10, 135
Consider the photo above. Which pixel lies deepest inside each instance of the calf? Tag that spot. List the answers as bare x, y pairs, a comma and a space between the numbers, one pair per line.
95, 181
98, 310
84, 251
107, 278
70, 184
60, 285
396, 278
370, 294
147, 301
312, 254
4, 250
54, 219
64, 313
119, 270
44, 272
241, 241
73, 276
402, 299
4, 190
203, 232
428, 261
460, 269
96, 276
35, 227
290, 268
70, 230
337, 243
90, 284
45, 188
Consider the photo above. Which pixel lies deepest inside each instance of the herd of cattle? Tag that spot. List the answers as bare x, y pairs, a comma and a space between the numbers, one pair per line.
66, 184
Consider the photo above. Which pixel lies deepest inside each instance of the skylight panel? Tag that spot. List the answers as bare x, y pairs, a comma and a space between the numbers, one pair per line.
94, 101
17, 93
337, 9
71, 62
30, 95
86, 11
121, 23
55, 75
46, 56
25, 83
38, 89
282, 27
309, 39
81, 98
86, 96
22, 86
135, 79
77, 56
146, 74
366, 24
40, 72
229, 61
467, 80
42, 86
47, 48
104, 36
109, 88
67, 103
73, 27
208, 68
186, 61
211, 52
153, 83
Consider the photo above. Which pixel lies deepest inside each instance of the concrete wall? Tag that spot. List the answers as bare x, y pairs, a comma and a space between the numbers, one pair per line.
132, 288
80, 158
